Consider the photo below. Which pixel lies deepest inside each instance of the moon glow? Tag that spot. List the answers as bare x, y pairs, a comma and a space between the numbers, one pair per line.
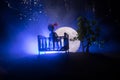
73, 45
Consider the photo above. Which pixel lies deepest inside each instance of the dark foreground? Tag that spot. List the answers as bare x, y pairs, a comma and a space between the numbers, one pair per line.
57, 66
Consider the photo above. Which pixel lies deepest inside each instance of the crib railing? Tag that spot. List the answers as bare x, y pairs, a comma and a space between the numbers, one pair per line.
61, 43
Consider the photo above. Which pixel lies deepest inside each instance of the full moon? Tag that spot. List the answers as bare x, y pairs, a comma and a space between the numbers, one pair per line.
73, 45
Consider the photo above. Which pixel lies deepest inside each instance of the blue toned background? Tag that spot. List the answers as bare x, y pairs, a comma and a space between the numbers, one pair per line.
22, 20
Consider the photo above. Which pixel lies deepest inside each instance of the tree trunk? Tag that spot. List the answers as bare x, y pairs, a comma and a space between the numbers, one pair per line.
87, 48
82, 46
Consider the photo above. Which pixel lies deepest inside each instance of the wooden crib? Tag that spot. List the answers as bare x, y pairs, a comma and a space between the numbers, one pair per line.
47, 44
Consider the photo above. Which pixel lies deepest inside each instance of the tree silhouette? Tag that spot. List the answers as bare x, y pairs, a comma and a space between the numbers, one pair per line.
88, 33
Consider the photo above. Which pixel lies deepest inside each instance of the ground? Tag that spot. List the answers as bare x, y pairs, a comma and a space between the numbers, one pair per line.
57, 66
